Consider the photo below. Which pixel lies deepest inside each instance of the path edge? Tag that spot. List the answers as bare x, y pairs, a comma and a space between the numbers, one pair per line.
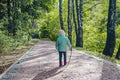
1, 76
101, 59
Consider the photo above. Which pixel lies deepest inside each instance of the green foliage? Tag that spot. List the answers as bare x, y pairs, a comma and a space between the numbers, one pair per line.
5, 43
118, 31
94, 42
9, 43
50, 27
45, 15
2, 13
44, 32
22, 37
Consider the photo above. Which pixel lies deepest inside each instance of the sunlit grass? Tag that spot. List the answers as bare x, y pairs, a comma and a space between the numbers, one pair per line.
100, 55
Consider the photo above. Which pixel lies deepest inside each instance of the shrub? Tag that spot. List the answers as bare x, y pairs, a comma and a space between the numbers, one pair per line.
5, 43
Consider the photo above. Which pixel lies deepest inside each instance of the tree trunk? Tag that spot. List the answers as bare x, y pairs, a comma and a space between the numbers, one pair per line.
111, 40
8, 8
14, 18
11, 9
118, 53
74, 18
60, 14
8, 14
80, 28
79, 42
69, 21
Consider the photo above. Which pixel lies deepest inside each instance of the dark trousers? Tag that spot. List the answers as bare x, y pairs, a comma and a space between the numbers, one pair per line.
60, 57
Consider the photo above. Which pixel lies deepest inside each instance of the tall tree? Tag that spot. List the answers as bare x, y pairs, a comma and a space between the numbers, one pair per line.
69, 21
12, 12
111, 40
74, 17
60, 14
80, 28
14, 17
9, 14
79, 35
8, 8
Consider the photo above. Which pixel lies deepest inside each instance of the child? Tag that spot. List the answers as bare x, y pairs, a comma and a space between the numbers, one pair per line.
62, 45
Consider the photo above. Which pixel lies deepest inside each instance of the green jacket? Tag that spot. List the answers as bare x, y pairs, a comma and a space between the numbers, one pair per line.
63, 43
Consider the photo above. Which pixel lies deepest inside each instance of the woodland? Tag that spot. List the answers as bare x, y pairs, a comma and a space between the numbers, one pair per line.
91, 25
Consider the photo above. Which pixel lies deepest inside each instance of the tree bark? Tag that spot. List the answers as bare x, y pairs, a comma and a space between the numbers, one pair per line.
14, 17
111, 40
79, 42
9, 14
74, 18
80, 28
69, 21
8, 8
81, 9
60, 14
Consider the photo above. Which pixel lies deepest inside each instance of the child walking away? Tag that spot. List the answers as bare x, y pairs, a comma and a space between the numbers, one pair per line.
62, 45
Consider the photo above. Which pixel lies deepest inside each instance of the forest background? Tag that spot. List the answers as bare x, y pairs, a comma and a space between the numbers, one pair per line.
23, 20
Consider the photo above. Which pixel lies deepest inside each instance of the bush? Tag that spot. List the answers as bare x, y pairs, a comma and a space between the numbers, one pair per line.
5, 43
44, 32
9, 43
22, 38
94, 40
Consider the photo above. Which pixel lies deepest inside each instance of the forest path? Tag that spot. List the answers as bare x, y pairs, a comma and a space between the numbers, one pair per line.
41, 63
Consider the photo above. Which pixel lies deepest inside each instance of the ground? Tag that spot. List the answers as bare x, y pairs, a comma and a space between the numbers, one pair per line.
41, 63
7, 60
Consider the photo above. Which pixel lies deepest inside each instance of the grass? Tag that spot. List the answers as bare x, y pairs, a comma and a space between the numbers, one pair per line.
8, 59
100, 55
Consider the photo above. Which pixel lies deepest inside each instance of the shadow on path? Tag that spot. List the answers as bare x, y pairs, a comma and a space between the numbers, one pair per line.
47, 74
41, 54
110, 72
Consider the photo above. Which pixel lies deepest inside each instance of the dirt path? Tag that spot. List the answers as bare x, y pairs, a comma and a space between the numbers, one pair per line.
41, 63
